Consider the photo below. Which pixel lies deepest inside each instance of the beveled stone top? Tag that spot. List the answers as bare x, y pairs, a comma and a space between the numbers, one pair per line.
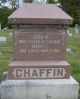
32, 13
38, 63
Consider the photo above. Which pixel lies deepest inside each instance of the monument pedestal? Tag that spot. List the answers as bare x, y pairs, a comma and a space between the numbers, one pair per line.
40, 89
25, 70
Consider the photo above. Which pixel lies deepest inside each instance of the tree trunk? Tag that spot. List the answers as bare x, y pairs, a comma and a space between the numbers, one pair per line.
27, 1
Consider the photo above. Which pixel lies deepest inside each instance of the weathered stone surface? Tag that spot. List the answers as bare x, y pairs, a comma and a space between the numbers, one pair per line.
39, 70
39, 43
39, 14
40, 89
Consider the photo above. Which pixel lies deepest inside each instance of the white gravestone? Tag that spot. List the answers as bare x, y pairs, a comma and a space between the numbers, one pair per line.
2, 40
76, 28
69, 34
5, 29
69, 51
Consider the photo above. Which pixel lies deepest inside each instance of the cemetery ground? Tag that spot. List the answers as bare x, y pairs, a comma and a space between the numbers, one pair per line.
73, 58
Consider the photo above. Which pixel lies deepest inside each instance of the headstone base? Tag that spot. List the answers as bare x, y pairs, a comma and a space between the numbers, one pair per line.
40, 89
25, 70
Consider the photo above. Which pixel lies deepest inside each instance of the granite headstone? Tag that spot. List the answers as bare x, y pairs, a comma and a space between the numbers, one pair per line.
39, 42
39, 68
2, 40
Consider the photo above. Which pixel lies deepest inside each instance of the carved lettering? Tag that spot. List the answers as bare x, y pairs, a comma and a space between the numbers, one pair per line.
34, 73
39, 72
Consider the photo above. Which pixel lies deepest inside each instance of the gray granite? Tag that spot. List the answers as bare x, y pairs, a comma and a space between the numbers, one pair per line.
38, 89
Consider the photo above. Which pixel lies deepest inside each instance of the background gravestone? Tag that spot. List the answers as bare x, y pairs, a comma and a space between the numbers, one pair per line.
2, 40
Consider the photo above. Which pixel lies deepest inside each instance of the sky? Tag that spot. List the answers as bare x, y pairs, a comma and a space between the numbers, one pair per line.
21, 1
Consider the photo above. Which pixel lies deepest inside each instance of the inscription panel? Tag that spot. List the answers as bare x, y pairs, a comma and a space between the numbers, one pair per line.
39, 73
39, 44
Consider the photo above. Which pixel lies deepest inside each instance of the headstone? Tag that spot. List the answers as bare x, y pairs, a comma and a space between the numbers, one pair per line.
2, 40
10, 34
39, 68
69, 51
76, 28
5, 29
39, 49
69, 34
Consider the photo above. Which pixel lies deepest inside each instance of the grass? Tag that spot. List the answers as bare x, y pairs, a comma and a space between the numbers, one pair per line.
74, 59
72, 42
5, 51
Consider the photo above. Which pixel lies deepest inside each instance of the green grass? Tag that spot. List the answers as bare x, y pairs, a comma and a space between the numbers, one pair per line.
6, 51
74, 59
72, 42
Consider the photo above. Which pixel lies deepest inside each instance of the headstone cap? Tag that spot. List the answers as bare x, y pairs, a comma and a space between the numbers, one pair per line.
33, 13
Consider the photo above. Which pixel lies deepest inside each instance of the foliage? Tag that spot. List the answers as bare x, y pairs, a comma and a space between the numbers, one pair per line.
53, 1
14, 3
72, 7
27, 1
4, 13
2, 2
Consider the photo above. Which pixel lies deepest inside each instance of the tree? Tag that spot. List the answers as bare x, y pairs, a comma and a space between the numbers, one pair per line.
27, 1
2, 2
14, 3
4, 14
72, 7
52, 1
6, 11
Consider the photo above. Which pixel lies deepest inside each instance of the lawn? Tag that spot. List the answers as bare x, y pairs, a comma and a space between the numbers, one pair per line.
72, 42
74, 58
5, 51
